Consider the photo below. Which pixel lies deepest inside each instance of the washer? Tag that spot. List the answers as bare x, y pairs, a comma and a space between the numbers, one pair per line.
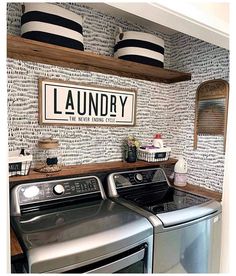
187, 227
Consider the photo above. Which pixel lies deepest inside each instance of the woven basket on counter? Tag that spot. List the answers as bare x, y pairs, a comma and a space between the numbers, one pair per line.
152, 154
19, 164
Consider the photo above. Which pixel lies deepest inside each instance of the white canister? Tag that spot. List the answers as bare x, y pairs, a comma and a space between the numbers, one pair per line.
180, 171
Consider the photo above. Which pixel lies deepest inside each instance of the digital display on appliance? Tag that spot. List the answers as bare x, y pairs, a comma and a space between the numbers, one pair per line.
160, 155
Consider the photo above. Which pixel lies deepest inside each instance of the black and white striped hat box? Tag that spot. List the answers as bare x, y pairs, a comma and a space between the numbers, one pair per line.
52, 24
140, 47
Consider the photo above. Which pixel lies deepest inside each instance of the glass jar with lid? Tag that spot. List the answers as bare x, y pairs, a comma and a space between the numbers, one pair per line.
50, 155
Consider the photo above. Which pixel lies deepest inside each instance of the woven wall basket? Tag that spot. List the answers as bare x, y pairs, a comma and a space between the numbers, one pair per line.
140, 47
52, 24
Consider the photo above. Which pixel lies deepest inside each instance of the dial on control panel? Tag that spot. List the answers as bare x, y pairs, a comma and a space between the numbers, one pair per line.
58, 189
138, 177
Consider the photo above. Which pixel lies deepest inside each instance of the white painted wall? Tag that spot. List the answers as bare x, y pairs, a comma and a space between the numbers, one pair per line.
4, 201
228, 201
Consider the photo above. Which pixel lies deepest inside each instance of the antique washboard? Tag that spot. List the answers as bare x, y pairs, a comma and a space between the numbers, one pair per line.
211, 109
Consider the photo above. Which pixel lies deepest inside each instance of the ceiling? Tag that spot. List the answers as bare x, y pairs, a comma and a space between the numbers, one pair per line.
208, 21
108, 8
217, 9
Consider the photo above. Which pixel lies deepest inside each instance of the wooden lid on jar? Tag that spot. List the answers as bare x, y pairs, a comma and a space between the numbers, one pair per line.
48, 143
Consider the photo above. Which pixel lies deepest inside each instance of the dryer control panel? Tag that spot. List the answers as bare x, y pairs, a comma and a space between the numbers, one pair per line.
48, 191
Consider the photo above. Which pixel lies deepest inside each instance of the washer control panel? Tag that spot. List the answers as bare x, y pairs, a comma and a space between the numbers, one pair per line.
133, 178
49, 190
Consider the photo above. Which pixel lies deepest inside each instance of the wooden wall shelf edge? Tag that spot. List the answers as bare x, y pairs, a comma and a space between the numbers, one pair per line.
83, 169
30, 50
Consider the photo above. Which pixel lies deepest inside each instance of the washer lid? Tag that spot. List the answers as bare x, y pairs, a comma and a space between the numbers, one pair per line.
158, 199
189, 214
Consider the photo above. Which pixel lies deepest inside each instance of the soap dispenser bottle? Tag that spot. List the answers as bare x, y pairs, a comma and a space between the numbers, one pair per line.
157, 141
180, 172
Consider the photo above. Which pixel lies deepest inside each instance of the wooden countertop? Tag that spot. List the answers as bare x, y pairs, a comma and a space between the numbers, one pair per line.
15, 246
201, 191
86, 169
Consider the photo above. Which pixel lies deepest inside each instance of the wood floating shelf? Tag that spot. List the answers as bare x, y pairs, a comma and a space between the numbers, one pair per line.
86, 169
30, 50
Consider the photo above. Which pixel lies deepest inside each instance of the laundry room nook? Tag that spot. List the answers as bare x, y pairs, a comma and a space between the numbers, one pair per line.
118, 137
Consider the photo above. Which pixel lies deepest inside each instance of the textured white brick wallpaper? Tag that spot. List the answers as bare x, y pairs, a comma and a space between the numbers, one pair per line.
168, 109
79, 144
205, 61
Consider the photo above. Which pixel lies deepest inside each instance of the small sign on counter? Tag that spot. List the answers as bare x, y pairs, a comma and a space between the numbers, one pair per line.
70, 103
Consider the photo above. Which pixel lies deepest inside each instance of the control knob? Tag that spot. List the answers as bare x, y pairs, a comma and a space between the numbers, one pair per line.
138, 177
58, 189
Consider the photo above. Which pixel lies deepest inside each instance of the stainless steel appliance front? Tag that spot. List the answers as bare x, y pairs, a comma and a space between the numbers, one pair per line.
192, 247
187, 228
76, 229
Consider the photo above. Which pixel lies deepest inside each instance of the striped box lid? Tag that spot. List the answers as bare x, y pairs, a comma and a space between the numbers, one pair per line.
52, 24
140, 47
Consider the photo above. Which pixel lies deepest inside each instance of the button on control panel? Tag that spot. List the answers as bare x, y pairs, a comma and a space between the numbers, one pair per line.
43, 191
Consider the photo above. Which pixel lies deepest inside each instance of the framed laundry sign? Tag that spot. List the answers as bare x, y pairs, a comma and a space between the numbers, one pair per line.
70, 103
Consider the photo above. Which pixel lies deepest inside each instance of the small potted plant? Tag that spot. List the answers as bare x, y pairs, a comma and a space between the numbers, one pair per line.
130, 149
